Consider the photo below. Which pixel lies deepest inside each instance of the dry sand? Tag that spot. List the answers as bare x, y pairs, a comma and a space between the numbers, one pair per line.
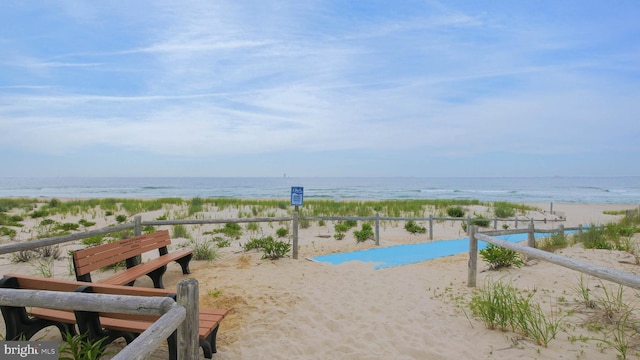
286, 309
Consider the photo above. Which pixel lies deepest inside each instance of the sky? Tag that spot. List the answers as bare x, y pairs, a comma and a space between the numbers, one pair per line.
319, 88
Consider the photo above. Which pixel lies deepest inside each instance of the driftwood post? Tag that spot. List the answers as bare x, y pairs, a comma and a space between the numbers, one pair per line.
188, 337
295, 233
473, 257
138, 225
431, 227
531, 238
377, 229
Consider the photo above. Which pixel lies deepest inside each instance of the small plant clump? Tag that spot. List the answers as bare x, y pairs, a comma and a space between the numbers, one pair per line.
455, 211
282, 232
499, 257
414, 228
231, 230
78, 347
364, 234
272, 249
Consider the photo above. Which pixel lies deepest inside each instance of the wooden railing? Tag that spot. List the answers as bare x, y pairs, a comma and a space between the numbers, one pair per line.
180, 315
602, 272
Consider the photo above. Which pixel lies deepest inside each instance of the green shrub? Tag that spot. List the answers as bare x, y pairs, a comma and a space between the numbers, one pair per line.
67, 226
5, 231
275, 249
231, 230
282, 232
481, 221
414, 228
499, 257
364, 234
339, 235
121, 218
272, 249
39, 213
255, 243
351, 223
77, 347
341, 227
455, 212
93, 240
86, 223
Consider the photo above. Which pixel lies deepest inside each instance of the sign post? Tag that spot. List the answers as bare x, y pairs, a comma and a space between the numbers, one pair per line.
297, 199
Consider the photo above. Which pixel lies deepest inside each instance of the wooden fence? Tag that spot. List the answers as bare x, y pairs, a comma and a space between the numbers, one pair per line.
295, 219
187, 344
180, 315
602, 272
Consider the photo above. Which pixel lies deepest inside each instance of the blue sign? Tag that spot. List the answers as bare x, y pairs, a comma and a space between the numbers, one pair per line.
297, 195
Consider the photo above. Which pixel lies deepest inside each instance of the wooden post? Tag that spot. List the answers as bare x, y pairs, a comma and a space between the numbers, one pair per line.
188, 337
561, 230
516, 222
377, 229
473, 257
531, 238
580, 230
431, 227
495, 223
468, 224
551, 208
138, 225
295, 233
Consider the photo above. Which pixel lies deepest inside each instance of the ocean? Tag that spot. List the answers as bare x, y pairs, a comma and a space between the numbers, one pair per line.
611, 190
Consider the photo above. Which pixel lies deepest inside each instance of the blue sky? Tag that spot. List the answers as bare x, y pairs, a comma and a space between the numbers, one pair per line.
319, 88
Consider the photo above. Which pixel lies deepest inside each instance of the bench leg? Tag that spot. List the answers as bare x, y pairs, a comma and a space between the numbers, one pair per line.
19, 326
184, 263
205, 344
156, 277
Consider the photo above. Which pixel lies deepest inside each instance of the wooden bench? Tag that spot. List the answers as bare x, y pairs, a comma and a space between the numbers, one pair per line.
24, 323
130, 250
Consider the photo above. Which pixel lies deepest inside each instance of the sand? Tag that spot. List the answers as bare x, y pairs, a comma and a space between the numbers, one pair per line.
286, 308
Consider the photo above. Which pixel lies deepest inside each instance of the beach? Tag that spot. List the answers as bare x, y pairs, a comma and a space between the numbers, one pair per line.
303, 309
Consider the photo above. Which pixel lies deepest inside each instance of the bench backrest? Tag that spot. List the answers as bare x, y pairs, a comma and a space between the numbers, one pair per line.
97, 257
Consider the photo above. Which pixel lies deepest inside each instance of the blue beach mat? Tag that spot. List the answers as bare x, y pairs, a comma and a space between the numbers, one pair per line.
412, 253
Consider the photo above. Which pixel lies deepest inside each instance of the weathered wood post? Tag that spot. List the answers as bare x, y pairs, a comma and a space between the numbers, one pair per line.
468, 224
473, 257
430, 226
561, 230
580, 230
516, 222
138, 225
531, 236
188, 338
295, 233
377, 229
495, 223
